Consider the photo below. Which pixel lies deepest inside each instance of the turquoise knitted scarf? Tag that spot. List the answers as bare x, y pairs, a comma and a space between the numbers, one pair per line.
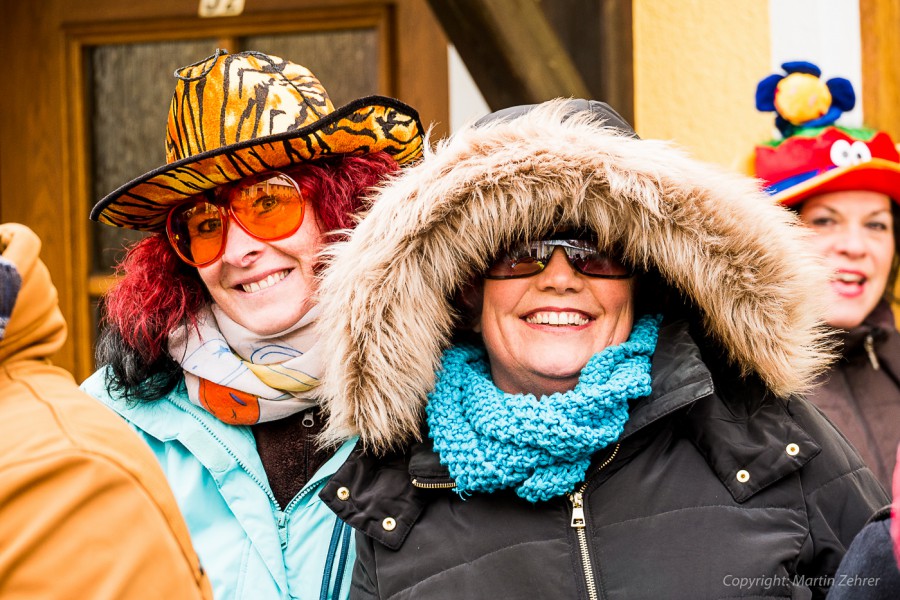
491, 440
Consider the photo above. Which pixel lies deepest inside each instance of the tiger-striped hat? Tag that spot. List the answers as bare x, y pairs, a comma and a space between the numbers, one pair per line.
235, 115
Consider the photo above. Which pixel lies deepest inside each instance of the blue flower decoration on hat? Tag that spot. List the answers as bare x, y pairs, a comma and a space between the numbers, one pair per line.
801, 99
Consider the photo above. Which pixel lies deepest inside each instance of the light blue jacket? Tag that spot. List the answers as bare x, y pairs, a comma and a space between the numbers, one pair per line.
250, 546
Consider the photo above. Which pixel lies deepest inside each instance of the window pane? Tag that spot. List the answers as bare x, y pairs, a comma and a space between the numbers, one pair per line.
345, 61
132, 86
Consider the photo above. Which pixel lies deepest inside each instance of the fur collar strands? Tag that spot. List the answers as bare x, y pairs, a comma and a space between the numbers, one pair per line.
711, 234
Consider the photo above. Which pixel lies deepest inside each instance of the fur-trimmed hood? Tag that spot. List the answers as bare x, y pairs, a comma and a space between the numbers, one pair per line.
710, 234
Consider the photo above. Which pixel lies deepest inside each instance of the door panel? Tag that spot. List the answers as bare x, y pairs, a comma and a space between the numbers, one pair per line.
88, 88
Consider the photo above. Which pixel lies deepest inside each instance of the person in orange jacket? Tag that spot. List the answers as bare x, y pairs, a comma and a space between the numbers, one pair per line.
85, 510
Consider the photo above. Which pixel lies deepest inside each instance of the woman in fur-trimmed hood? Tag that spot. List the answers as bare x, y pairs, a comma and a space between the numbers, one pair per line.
573, 357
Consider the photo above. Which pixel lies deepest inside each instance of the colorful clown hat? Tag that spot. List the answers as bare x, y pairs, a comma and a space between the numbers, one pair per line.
235, 115
817, 156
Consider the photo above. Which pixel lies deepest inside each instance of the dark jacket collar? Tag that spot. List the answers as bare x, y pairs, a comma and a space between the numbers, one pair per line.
679, 378
735, 425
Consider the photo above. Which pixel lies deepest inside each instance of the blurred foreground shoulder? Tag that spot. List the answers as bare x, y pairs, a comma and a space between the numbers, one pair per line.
85, 509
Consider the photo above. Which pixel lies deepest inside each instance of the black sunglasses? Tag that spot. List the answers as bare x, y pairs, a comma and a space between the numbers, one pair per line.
530, 258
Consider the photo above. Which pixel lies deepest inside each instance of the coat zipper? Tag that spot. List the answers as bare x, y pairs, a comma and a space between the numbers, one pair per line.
579, 524
869, 345
433, 486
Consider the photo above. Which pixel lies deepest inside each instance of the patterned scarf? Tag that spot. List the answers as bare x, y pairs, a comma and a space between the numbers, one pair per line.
492, 440
243, 378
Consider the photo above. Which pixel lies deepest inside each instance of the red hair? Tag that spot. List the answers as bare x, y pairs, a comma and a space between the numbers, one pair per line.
158, 292
338, 189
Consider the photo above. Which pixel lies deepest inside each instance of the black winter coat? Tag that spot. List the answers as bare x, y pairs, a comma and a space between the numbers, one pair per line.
716, 490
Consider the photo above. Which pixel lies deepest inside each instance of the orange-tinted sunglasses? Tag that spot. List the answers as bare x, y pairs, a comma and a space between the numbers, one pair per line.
268, 208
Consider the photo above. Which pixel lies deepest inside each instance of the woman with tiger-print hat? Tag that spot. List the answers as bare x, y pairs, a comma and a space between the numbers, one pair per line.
209, 348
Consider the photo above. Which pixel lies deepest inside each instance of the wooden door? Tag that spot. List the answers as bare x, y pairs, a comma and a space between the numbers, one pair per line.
87, 90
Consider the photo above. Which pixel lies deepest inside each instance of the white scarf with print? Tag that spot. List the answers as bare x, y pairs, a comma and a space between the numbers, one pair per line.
243, 378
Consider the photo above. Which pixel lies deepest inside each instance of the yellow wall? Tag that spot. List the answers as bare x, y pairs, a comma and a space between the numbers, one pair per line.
696, 66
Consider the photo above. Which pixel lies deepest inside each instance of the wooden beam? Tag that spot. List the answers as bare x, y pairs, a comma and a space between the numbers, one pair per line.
878, 21
880, 57
422, 73
616, 77
511, 50
598, 35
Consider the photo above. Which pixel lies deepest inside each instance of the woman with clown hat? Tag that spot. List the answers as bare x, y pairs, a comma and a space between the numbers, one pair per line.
845, 185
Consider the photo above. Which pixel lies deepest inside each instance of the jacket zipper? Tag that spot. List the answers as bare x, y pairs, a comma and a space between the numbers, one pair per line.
869, 345
340, 536
265, 488
281, 515
340, 528
579, 524
433, 486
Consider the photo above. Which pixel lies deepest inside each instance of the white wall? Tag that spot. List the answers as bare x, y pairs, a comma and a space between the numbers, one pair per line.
466, 101
825, 33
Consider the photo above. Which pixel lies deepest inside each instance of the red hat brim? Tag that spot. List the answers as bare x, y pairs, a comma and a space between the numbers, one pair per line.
876, 175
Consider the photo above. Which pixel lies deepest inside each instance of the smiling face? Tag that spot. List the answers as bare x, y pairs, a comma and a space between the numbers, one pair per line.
855, 234
265, 286
540, 331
